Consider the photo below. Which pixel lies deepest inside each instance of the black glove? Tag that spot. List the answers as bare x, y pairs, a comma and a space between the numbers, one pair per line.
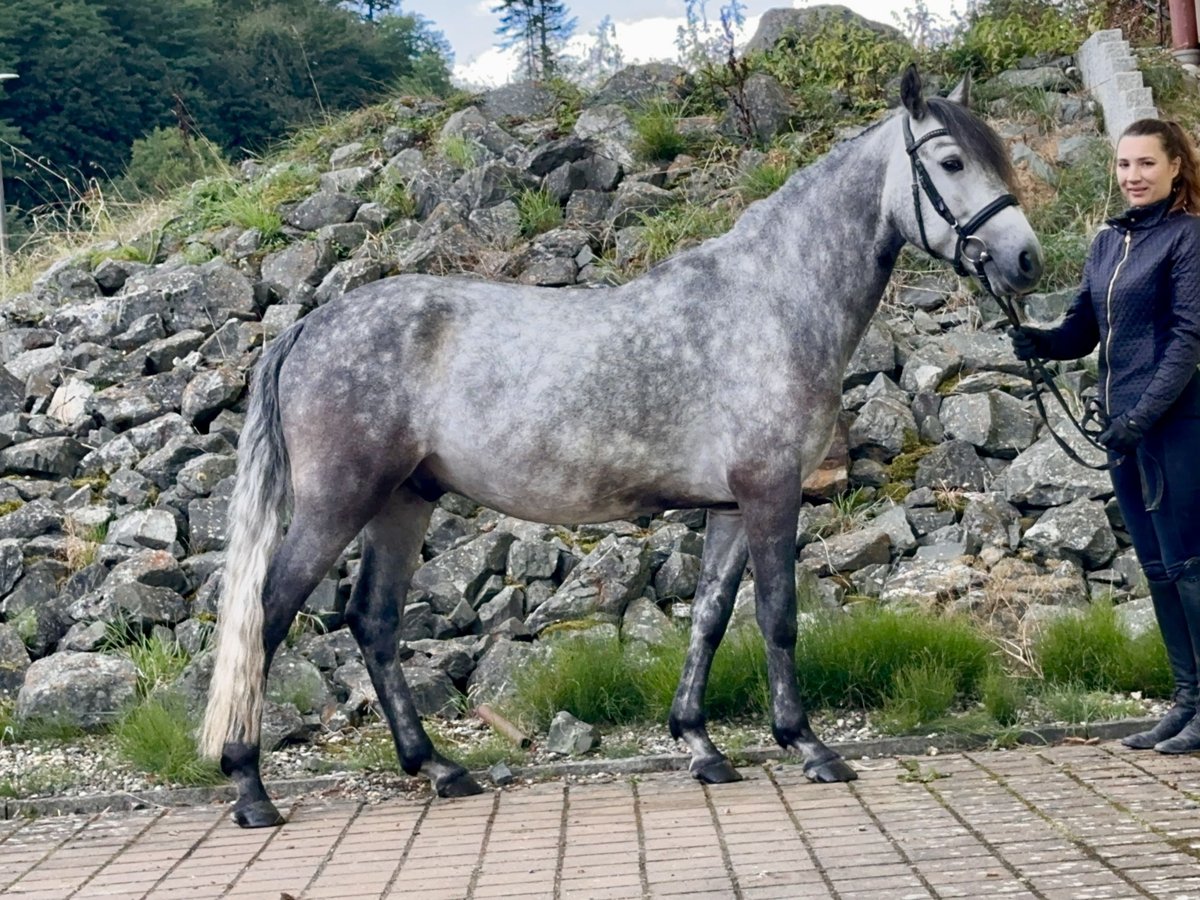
1028, 343
1121, 436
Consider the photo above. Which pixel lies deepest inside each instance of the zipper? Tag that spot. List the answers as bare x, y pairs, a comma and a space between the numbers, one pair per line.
1108, 315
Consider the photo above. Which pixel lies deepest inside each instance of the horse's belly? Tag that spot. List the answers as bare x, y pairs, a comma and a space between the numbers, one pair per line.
544, 491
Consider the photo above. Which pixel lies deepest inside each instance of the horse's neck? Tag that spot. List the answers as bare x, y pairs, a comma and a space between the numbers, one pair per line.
827, 236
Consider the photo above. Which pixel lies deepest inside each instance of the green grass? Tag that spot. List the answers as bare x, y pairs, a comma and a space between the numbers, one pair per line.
156, 737
658, 138
459, 151
396, 196
679, 227
538, 212
217, 202
1092, 652
921, 693
1003, 697
1076, 705
765, 179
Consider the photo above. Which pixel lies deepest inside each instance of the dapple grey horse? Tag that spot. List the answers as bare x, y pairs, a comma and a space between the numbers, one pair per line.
712, 381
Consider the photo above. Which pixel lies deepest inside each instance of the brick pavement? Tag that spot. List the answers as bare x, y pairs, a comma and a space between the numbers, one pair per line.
1070, 821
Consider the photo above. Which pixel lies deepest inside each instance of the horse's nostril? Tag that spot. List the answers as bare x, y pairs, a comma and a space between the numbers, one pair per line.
1030, 263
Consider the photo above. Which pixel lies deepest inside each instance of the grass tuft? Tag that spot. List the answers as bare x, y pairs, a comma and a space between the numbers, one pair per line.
538, 212
1003, 697
679, 227
920, 693
1094, 653
156, 737
658, 135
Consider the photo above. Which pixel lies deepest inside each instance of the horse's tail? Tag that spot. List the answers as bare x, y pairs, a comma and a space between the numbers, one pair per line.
256, 519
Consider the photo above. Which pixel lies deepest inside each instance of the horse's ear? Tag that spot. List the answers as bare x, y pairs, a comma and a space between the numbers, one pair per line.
910, 92
962, 92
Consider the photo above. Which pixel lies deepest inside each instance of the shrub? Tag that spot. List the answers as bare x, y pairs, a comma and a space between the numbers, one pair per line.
166, 159
1001, 32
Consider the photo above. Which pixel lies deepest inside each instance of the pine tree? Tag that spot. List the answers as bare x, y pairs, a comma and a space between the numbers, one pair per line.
539, 28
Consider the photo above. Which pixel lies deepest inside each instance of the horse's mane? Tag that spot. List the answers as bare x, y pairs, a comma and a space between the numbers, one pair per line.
975, 136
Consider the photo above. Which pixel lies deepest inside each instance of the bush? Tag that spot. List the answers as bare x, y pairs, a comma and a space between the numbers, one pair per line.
1000, 33
166, 159
1093, 653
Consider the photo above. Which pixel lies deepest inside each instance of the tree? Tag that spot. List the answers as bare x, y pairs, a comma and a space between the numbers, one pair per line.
539, 28
699, 41
371, 10
602, 58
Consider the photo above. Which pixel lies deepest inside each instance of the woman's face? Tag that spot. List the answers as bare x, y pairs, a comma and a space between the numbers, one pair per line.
1143, 170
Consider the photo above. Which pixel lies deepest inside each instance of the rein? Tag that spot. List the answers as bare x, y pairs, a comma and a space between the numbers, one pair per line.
971, 249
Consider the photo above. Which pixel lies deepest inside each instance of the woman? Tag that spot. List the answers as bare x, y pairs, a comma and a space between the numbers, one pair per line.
1140, 300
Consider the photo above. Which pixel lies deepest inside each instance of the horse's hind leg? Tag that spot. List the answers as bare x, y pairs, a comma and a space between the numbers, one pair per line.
316, 537
724, 561
770, 509
391, 548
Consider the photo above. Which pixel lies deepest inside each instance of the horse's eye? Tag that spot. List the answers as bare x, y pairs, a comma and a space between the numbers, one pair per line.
953, 164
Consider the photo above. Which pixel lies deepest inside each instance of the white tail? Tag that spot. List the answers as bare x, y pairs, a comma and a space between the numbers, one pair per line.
256, 521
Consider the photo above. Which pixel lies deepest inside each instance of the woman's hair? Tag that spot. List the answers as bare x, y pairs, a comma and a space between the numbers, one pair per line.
1178, 145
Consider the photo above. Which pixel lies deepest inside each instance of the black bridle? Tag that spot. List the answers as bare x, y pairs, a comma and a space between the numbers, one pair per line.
971, 249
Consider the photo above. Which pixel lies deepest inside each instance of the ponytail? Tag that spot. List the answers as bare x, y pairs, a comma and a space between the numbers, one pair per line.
1177, 144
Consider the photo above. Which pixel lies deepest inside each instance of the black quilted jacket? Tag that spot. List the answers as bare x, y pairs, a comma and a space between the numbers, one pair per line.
1140, 300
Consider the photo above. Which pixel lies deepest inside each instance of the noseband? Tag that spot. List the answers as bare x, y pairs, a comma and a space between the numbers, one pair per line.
970, 247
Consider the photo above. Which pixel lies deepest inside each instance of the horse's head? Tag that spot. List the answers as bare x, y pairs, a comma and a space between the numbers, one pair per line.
950, 190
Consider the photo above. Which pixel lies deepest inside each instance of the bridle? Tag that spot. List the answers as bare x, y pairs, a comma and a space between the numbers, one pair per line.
972, 250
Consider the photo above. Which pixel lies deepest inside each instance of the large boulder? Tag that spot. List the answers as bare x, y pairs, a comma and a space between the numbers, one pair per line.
799, 26
87, 690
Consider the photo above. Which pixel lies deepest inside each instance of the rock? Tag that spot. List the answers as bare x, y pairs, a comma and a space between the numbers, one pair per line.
501, 775
570, 736
848, 552
1078, 530
995, 422
644, 621
602, 585
210, 392
194, 297
155, 568
952, 465
992, 520
282, 724
433, 693
147, 606
875, 354
53, 456
458, 574
635, 199
293, 273
345, 277
633, 86
1136, 617
799, 26
519, 100
1045, 476
151, 528
494, 678
208, 524
532, 559
768, 109
87, 690
31, 520
882, 429
11, 563
894, 522
928, 367
1044, 78
508, 604
677, 577
293, 679
922, 581
14, 662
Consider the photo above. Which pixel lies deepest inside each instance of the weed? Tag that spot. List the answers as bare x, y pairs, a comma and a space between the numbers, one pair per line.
920, 693
9, 506
538, 212
46, 780
903, 466
476, 754
852, 510
914, 773
156, 737
658, 135
397, 197
158, 662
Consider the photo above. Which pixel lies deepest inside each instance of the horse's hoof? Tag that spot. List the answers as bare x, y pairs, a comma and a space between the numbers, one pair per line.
460, 784
830, 770
260, 814
717, 771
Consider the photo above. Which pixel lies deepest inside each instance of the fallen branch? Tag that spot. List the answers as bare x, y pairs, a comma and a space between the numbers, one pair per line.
503, 726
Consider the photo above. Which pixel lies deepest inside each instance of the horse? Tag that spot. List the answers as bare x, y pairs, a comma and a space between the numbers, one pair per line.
711, 381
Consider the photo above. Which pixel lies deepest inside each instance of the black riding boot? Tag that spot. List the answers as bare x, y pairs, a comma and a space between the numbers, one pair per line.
1188, 587
1173, 625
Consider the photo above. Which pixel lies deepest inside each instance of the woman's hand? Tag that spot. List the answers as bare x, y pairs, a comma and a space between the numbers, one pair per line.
1121, 436
1028, 343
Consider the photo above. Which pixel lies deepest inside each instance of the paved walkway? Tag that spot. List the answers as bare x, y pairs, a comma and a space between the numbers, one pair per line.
1071, 821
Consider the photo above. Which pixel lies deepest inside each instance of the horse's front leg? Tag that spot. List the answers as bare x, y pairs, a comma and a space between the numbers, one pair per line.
770, 508
724, 561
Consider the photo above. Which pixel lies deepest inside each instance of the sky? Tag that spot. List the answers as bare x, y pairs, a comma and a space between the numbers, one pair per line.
645, 28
